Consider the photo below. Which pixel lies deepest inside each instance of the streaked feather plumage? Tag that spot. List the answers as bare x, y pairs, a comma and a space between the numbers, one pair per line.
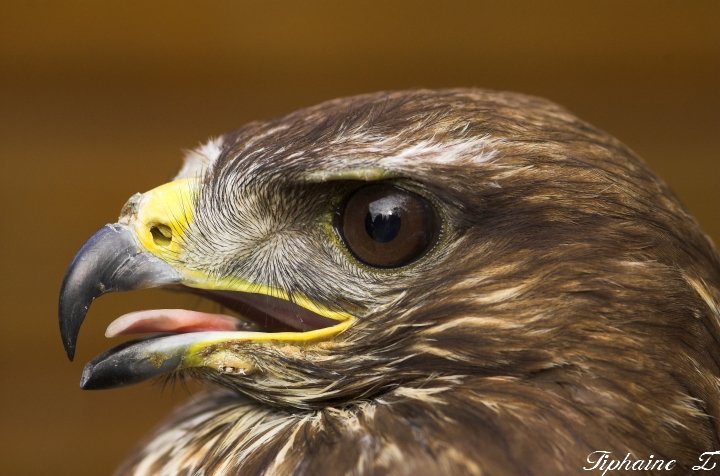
571, 305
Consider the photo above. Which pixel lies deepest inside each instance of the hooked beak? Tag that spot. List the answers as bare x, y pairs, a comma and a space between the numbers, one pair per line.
111, 260
141, 252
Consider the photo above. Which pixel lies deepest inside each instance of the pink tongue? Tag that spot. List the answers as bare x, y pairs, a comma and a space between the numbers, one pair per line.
170, 320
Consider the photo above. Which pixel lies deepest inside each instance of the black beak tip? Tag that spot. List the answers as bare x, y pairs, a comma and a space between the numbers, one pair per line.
69, 338
69, 350
86, 381
97, 375
69, 327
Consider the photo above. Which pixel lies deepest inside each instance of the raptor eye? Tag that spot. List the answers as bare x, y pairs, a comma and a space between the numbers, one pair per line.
386, 227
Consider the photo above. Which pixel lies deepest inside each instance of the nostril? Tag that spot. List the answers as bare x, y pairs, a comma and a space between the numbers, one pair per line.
162, 234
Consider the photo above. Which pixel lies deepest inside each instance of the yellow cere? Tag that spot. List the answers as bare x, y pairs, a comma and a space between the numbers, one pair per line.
163, 215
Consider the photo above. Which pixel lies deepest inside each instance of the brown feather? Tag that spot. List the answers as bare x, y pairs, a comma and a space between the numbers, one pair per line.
572, 306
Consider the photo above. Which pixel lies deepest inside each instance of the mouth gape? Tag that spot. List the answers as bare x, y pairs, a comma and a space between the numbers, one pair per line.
255, 313
113, 261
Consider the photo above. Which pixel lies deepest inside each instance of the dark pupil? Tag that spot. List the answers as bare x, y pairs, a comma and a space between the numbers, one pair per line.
382, 223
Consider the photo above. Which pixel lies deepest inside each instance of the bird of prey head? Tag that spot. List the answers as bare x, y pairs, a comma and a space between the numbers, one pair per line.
424, 282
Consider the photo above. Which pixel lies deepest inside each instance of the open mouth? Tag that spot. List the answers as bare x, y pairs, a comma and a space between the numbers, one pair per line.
252, 313
179, 339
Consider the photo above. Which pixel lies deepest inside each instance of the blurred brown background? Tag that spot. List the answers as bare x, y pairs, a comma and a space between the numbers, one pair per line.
99, 98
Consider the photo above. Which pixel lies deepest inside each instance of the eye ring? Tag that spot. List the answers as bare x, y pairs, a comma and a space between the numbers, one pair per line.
385, 226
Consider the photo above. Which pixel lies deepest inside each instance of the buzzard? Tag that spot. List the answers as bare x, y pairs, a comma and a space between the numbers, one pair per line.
422, 283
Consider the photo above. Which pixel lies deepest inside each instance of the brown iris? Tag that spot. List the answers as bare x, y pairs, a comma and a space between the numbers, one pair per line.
386, 227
